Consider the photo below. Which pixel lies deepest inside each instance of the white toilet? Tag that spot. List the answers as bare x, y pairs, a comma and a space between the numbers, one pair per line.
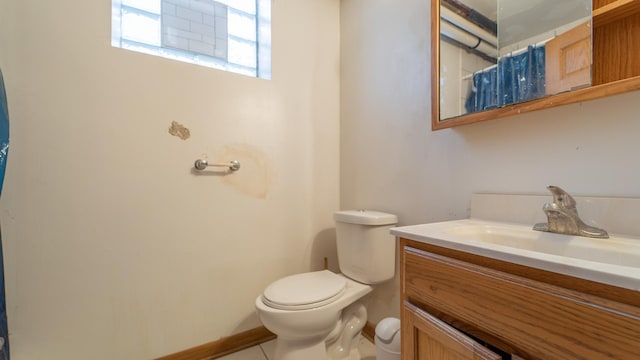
316, 315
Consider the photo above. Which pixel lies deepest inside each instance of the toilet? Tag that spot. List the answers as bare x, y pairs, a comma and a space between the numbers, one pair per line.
317, 315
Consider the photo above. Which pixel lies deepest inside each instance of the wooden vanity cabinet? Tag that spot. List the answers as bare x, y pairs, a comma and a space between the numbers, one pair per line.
464, 306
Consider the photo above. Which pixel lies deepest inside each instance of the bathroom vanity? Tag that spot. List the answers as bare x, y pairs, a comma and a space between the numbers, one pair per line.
479, 308
476, 289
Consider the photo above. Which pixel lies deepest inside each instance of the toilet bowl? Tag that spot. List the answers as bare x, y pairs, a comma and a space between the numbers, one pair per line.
312, 311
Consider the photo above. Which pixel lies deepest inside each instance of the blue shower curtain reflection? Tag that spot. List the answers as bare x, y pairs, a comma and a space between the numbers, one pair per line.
484, 93
4, 149
517, 78
521, 77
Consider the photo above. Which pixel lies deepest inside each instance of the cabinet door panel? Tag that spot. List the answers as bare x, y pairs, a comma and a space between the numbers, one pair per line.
430, 338
568, 60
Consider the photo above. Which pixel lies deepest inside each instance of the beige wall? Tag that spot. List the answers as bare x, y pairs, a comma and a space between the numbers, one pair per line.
392, 161
114, 248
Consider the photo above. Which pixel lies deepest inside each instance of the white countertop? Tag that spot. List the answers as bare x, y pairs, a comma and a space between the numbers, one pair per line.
614, 261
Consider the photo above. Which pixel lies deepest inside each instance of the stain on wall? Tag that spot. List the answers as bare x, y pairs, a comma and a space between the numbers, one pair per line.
254, 177
179, 130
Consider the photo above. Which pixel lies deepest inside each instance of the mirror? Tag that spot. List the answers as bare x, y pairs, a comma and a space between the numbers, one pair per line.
495, 53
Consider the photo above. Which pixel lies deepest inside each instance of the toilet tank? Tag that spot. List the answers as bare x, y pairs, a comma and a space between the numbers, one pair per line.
366, 250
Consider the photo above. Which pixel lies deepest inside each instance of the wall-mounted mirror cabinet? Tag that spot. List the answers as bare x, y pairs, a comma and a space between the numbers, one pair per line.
496, 58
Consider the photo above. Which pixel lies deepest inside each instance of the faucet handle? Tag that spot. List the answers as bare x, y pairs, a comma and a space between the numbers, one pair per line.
562, 198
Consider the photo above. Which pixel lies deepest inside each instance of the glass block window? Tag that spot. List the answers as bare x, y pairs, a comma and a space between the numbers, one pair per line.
231, 35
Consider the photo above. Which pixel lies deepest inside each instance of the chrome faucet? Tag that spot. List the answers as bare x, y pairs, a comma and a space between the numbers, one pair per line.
562, 216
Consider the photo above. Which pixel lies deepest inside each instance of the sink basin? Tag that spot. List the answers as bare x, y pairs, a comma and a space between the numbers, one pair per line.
614, 261
615, 250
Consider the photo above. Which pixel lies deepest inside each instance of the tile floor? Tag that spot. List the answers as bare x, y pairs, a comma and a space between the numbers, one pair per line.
266, 350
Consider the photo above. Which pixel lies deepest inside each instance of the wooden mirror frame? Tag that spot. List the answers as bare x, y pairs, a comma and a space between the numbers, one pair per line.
615, 68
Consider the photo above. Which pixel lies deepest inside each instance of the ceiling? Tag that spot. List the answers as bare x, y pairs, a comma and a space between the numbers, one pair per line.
522, 19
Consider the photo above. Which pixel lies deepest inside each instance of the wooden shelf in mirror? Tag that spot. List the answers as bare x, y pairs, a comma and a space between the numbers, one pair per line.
614, 11
615, 49
615, 68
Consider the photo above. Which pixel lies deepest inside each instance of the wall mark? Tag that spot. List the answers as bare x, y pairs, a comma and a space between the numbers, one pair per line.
254, 177
177, 129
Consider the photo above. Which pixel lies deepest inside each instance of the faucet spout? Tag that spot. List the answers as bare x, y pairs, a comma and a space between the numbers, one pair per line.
562, 217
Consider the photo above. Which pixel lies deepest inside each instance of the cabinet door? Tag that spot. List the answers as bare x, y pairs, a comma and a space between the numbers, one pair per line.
568, 60
425, 337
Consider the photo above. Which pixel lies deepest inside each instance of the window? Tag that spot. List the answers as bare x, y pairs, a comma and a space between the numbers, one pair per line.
230, 35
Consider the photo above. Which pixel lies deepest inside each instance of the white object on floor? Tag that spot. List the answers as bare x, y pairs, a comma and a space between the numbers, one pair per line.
387, 339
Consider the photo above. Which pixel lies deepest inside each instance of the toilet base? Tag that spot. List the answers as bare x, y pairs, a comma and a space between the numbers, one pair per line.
342, 343
295, 350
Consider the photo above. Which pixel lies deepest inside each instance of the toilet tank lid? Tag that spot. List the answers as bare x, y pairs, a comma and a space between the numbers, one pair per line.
365, 217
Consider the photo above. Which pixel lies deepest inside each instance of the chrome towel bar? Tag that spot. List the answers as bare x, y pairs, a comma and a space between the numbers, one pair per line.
233, 165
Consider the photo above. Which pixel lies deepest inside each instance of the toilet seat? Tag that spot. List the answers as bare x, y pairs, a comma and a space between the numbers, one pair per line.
304, 291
